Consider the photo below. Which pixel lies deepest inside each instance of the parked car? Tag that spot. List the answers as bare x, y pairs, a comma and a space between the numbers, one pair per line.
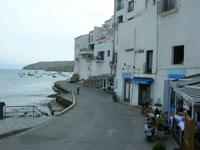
71, 80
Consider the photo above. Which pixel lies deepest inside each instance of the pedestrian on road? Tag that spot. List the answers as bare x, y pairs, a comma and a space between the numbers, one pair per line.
78, 88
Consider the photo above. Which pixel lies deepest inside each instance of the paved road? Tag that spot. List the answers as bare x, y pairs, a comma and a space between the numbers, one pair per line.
95, 123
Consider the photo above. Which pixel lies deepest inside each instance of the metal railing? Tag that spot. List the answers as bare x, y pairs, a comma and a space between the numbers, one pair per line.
22, 111
83, 49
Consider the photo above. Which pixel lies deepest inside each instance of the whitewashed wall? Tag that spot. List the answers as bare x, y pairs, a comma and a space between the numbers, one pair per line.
99, 68
178, 28
138, 33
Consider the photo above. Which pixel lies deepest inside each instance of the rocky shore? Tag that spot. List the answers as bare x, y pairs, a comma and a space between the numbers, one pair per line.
63, 100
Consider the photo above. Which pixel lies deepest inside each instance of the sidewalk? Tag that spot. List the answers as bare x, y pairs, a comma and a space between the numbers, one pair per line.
14, 125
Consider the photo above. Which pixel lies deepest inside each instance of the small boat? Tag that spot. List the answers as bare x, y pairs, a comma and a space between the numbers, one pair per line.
20, 74
30, 74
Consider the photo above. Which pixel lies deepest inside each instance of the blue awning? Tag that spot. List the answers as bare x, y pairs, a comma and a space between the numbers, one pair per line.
141, 80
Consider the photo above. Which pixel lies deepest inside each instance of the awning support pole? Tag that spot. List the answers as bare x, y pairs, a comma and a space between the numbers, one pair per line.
193, 111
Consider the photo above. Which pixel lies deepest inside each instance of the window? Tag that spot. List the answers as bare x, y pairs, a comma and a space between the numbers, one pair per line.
91, 38
154, 2
115, 58
178, 54
108, 53
149, 61
120, 4
167, 5
130, 6
100, 55
120, 19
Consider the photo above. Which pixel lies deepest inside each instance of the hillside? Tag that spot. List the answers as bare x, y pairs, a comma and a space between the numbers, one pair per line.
51, 66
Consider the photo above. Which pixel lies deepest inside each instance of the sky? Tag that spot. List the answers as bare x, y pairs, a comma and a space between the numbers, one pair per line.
44, 30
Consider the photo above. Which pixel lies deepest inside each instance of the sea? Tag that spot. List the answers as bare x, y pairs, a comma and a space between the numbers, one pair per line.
28, 87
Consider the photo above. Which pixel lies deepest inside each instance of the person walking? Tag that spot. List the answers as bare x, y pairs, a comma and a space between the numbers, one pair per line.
78, 88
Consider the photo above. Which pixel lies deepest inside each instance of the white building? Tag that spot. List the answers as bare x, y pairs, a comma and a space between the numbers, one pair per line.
153, 42
135, 44
178, 43
83, 57
94, 56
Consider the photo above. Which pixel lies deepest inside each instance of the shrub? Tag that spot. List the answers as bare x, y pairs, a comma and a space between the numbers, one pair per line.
158, 105
159, 146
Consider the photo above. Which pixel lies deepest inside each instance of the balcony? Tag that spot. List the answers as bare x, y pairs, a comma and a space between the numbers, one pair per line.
147, 68
99, 59
85, 51
115, 25
166, 7
120, 5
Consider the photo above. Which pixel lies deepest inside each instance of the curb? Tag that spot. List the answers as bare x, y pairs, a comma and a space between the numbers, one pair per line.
13, 132
68, 108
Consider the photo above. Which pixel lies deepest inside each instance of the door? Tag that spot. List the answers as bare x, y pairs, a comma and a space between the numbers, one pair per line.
127, 90
144, 93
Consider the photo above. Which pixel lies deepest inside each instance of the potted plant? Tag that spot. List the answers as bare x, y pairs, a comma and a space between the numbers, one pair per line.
158, 105
148, 110
160, 128
159, 146
142, 110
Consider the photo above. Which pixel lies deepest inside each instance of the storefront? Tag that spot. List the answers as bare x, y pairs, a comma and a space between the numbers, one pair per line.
144, 88
185, 97
107, 82
127, 86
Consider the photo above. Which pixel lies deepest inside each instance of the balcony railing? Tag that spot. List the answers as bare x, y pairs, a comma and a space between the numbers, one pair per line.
98, 58
165, 6
83, 49
115, 25
147, 68
120, 6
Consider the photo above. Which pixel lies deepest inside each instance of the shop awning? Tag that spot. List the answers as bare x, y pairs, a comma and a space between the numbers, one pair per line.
141, 80
190, 94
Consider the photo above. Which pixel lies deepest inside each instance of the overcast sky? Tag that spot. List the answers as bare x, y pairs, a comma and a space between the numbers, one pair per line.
44, 30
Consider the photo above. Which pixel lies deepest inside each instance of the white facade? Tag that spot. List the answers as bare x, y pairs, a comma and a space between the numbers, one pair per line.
93, 52
178, 27
103, 49
83, 57
153, 41
142, 30
134, 38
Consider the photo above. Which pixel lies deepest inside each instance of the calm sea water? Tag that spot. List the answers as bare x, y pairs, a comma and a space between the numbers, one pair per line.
19, 89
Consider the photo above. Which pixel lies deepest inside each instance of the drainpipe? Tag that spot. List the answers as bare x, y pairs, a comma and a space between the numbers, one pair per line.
114, 37
114, 28
134, 50
156, 40
175, 103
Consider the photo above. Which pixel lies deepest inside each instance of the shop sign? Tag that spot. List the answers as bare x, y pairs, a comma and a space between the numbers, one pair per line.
176, 73
139, 51
126, 75
129, 49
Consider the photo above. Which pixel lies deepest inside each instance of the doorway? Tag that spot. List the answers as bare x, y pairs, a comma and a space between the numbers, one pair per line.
127, 90
144, 93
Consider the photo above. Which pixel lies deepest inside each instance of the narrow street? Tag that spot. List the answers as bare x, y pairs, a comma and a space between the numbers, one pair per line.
95, 123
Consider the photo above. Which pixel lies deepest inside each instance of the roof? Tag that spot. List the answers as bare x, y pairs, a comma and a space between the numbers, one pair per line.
189, 80
188, 88
189, 94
